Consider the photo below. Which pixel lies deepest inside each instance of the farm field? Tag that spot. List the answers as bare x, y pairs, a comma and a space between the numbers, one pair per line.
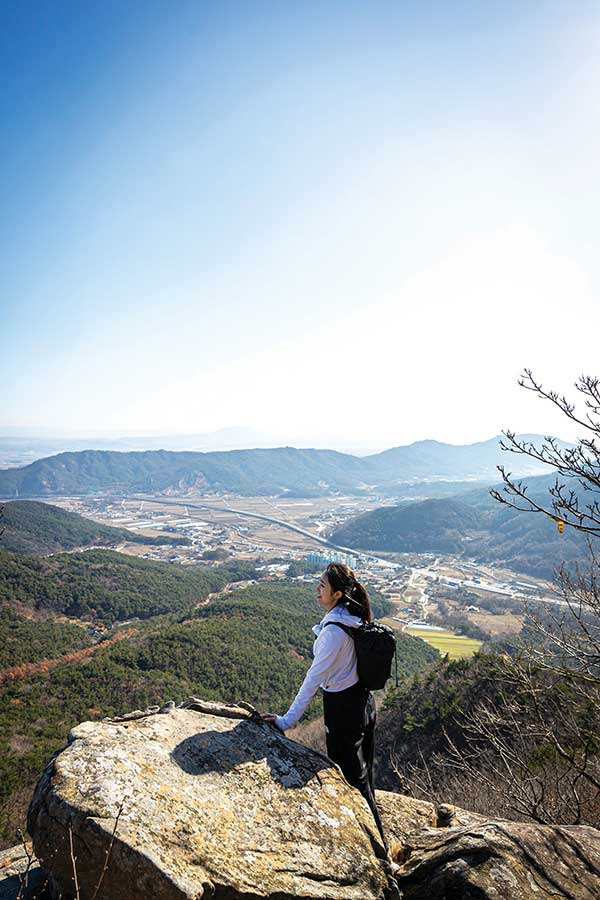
500, 623
455, 645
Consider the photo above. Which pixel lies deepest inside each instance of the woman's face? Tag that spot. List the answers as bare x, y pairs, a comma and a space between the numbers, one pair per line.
326, 596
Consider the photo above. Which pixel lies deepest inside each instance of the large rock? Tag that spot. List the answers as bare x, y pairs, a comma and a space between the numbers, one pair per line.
209, 801
401, 816
500, 860
204, 801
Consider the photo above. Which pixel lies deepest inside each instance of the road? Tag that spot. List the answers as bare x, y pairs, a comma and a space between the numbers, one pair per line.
253, 515
422, 600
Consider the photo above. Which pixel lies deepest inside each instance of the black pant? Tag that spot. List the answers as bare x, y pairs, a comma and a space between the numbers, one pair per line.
350, 732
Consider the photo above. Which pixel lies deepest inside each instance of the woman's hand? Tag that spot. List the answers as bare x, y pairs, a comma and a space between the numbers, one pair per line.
270, 717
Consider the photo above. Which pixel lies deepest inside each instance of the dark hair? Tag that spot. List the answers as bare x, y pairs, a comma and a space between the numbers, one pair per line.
354, 594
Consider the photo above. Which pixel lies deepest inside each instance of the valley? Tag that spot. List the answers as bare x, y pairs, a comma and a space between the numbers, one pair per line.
290, 535
132, 599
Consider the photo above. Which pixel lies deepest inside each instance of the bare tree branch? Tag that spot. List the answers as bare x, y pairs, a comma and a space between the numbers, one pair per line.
108, 852
579, 463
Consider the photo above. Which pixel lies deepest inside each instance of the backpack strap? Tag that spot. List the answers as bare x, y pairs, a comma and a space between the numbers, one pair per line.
347, 628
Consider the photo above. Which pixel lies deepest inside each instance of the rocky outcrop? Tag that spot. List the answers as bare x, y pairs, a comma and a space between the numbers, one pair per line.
202, 801
502, 861
205, 800
445, 852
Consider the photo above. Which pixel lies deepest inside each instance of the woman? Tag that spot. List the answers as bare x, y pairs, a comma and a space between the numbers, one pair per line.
348, 707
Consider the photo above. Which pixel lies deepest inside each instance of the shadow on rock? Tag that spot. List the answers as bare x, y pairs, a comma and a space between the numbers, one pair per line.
247, 744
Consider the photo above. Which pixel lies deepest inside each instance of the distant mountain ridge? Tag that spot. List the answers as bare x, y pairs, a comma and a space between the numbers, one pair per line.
280, 470
478, 460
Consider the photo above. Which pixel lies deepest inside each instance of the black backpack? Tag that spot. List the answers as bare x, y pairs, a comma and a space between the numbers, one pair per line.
375, 649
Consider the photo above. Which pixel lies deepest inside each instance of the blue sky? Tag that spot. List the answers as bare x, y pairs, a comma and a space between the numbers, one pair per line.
251, 214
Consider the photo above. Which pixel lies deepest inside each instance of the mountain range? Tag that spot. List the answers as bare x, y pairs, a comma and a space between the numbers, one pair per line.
274, 471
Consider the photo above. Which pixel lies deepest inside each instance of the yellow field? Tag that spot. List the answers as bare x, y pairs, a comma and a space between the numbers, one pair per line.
454, 645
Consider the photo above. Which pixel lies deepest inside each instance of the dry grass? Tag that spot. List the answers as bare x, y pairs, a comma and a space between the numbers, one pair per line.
13, 812
310, 734
507, 623
20, 744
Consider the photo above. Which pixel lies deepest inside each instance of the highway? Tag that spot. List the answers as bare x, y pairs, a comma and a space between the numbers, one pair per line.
270, 519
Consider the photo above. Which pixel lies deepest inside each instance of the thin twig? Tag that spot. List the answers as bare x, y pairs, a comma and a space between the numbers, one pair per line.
108, 852
24, 876
73, 861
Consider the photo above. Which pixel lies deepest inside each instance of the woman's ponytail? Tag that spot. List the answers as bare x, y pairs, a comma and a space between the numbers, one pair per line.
355, 597
360, 598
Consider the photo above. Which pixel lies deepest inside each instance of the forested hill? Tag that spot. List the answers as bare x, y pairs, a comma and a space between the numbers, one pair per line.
418, 717
252, 472
429, 526
253, 644
104, 586
108, 587
472, 524
39, 528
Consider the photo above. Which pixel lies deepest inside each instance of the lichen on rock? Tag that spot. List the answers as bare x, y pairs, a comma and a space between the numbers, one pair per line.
209, 802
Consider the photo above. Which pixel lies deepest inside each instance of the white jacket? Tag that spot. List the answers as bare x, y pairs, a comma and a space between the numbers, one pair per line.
333, 667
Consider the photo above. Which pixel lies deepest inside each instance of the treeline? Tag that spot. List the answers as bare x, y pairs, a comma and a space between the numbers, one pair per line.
39, 528
498, 604
298, 567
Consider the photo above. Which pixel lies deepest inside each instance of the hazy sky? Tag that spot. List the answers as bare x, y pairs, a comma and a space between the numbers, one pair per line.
308, 218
